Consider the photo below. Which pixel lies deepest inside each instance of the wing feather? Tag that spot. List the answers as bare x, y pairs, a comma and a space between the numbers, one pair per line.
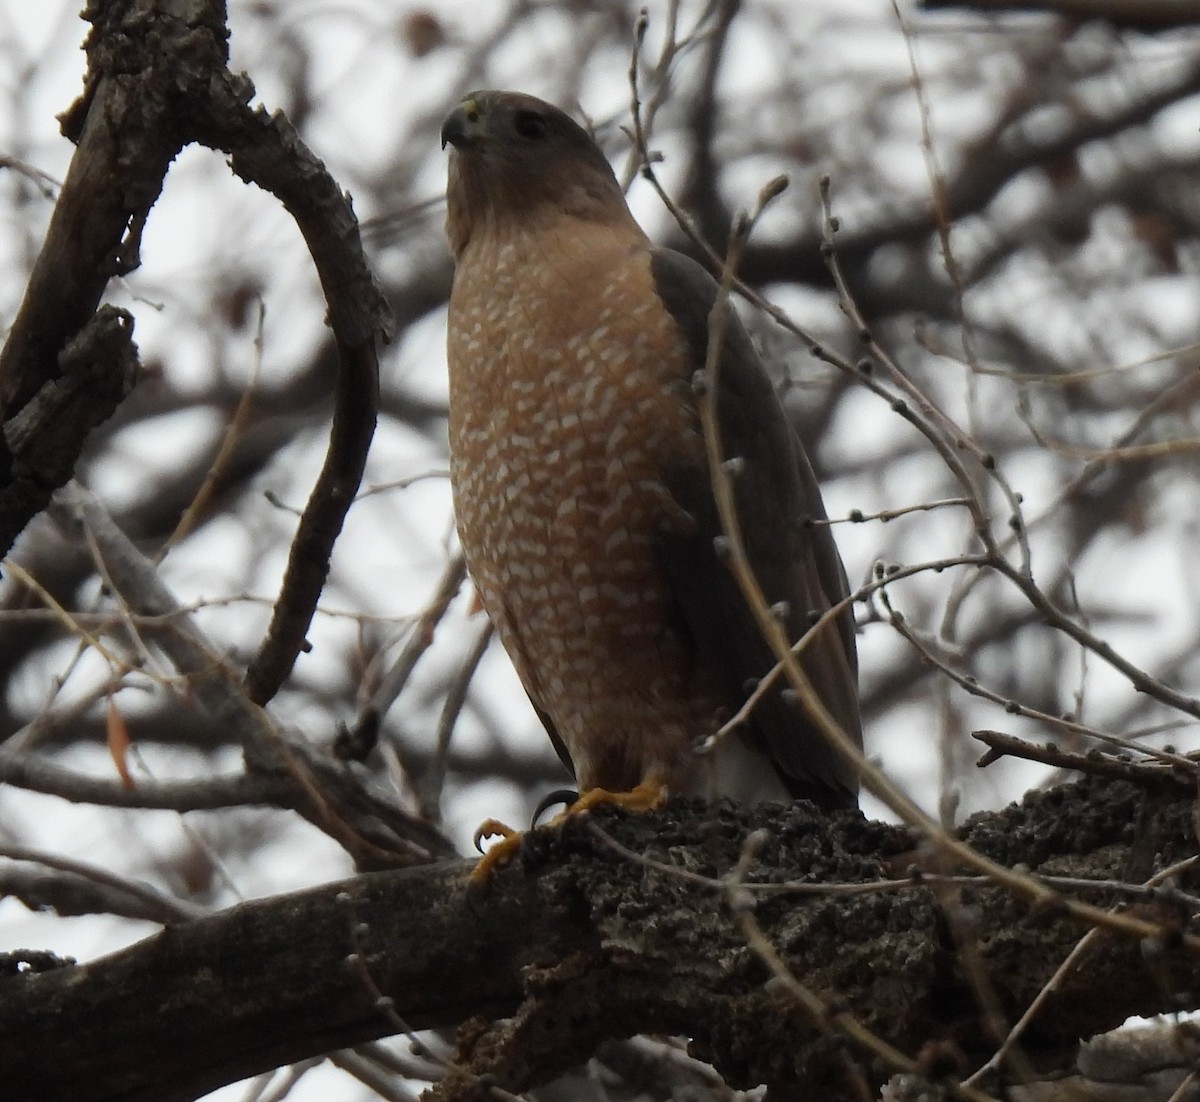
793, 556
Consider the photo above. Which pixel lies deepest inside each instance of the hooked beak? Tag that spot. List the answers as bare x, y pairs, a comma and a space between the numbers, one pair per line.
463, 125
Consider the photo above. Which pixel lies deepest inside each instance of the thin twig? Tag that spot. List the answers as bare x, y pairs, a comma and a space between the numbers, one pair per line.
1095, 764
166, 909
420, 638
878, 783
432, 783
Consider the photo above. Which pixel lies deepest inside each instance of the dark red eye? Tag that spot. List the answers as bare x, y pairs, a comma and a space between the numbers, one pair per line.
529, 124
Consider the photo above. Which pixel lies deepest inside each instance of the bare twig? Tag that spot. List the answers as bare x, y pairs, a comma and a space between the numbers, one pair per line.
372, 711
323, 791
87, 889
434, 779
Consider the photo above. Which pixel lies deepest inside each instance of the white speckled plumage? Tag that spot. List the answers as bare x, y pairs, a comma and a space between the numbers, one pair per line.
558, 499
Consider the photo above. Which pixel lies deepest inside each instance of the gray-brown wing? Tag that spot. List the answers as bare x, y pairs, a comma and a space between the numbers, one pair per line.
794, 559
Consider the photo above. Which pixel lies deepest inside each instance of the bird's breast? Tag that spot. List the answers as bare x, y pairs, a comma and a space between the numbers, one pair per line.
566, 400
566, 396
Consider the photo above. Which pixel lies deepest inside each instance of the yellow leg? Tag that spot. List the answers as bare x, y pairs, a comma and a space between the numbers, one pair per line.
647, 796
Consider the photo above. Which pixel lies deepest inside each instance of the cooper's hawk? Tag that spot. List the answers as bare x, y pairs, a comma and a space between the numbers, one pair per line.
583, 498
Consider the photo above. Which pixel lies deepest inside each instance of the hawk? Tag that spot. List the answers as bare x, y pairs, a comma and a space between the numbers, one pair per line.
582, 494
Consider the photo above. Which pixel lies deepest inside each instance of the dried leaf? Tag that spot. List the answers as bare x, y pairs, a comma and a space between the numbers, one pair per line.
118, 742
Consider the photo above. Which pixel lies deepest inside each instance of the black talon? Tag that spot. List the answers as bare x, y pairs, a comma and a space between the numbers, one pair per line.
564, 796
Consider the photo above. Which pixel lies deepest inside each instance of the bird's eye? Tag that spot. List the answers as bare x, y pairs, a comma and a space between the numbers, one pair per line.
529, 124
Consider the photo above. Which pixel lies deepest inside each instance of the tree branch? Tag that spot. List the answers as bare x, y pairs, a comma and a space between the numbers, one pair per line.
1142, 15
375, 832
156, 82
583, 939
266, 150
77, 888
142, 64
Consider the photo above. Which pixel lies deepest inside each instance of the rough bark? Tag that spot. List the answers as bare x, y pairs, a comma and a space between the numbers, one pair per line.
576, 942
126, 127
158, 81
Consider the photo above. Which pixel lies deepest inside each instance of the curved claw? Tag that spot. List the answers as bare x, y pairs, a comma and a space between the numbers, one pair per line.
564, 796
645, 797
497, 855
492, 828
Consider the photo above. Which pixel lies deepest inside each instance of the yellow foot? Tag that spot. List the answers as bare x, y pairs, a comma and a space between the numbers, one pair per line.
647, 796
499, 854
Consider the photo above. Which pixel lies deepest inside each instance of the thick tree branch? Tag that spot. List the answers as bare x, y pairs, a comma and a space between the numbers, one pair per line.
97, 368
266, 150
1142, 15
578, 942
157, 81
142, 64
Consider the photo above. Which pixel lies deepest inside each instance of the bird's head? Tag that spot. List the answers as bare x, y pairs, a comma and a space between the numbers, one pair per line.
516, 160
